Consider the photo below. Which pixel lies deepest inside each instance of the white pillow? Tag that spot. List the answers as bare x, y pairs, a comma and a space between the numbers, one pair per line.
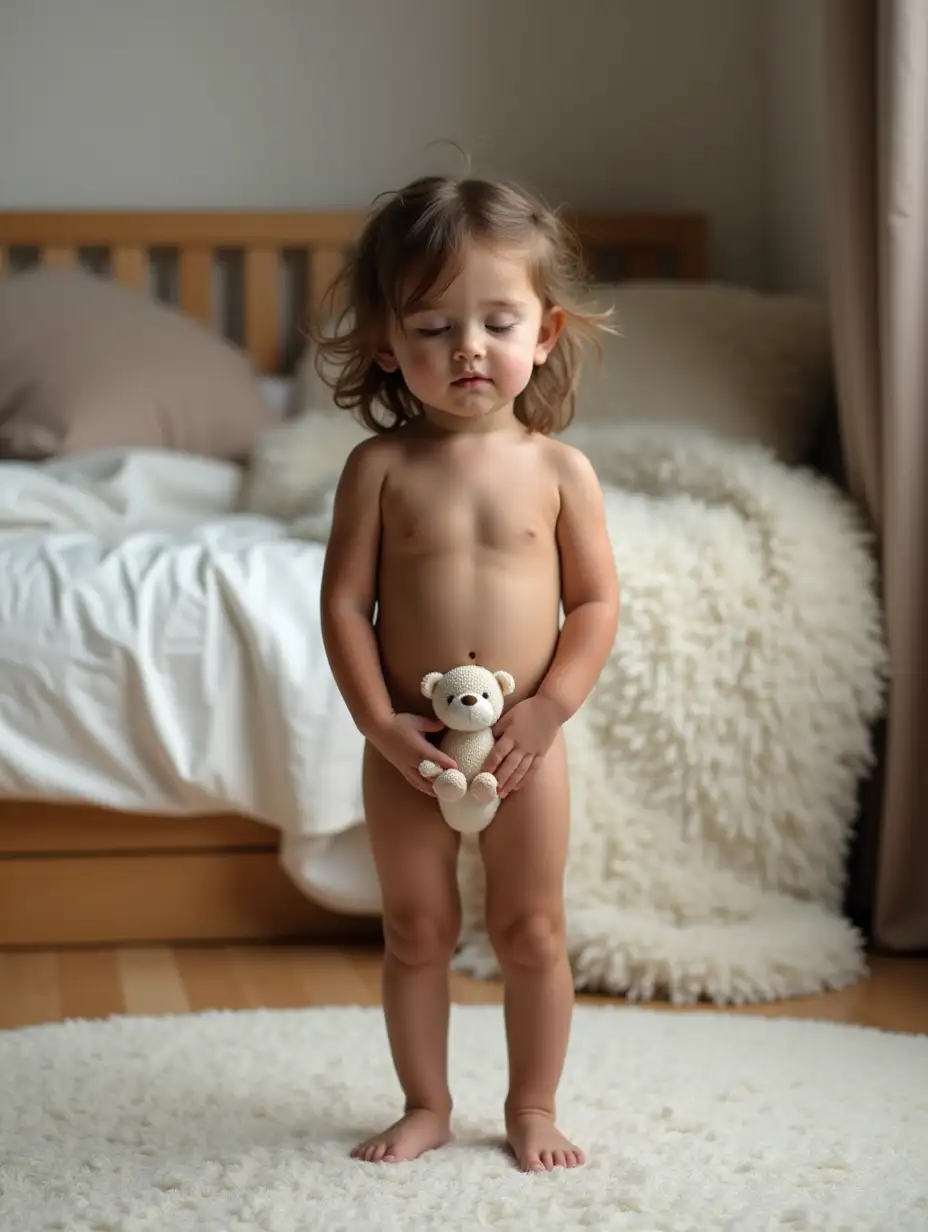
741, 363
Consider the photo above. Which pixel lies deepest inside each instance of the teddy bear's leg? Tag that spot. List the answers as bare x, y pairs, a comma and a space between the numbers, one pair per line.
450, 785
484, 788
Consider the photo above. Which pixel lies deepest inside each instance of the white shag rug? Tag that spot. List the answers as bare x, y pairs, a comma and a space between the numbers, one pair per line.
241, 1122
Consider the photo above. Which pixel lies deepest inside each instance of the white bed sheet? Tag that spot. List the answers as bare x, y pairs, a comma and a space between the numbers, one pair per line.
161, 653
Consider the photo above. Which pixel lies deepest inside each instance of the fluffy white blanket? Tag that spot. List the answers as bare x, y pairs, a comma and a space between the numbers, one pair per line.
716, 764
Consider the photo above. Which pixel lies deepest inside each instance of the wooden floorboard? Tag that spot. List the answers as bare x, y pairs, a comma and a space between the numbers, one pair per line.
43, 986
90, 984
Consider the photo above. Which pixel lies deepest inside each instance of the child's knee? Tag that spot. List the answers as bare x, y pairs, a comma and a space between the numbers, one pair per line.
421, 939
532, 941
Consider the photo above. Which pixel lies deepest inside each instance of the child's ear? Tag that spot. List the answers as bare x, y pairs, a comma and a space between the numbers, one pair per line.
552, 323
386, 360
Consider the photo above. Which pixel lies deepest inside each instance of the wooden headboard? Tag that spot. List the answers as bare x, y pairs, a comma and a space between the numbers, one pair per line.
276, 266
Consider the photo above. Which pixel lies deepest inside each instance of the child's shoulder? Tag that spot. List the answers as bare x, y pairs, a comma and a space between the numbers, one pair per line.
369, 460
570, 464
379, 455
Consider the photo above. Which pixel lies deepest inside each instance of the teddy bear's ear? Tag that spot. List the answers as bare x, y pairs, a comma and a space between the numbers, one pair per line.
429, 682
505, 682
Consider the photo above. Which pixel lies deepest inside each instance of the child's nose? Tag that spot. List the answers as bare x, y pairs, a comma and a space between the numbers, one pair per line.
468, 700
469, 346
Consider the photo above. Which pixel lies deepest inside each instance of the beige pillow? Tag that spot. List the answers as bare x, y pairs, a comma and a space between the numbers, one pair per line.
741, 363
86, 364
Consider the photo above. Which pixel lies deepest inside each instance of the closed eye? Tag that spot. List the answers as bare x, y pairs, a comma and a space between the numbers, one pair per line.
501, 329
423, 332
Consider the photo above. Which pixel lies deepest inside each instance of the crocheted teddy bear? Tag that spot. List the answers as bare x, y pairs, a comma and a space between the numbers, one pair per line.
469, 701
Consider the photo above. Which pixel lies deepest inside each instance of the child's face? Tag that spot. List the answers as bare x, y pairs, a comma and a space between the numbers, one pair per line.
471, 351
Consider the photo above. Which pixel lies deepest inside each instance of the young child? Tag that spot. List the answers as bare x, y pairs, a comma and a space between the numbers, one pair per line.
459, 530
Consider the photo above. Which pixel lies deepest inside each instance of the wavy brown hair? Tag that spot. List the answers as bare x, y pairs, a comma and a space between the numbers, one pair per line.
413, 242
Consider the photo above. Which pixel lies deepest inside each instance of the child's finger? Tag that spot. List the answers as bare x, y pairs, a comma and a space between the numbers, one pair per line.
501, 749
429, 751
510, 764
522, 773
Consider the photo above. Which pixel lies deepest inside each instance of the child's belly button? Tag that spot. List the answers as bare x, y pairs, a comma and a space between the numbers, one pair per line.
518, 640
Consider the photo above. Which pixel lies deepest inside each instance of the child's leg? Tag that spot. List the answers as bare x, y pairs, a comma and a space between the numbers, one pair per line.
524, 852
415, 854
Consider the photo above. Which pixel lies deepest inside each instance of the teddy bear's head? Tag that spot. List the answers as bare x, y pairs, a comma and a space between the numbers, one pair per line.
468, 698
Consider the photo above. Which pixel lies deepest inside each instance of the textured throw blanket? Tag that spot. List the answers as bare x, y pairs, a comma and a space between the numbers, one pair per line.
716, 764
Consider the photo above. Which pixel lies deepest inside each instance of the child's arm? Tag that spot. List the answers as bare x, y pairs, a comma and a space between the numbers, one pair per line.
349, 595
590, 597
349, 589
589, 588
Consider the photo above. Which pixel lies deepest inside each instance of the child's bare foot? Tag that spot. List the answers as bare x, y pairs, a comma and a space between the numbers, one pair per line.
538, 1145
411, 1136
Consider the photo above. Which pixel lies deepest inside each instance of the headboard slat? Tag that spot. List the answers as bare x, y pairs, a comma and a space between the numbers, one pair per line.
261, 288
643, 263
195, 286
129, 267
692, 248
324, 266
60, 257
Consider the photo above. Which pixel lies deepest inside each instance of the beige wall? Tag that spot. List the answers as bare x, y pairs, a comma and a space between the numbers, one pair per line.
608, 103
797, 145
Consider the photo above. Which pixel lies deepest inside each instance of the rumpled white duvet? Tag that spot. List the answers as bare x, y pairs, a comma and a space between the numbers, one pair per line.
161, 653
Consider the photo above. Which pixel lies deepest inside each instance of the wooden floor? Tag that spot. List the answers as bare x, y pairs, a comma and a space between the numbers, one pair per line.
48, 986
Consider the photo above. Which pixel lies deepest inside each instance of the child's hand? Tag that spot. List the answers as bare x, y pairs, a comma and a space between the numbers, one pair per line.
523, 736
401, 741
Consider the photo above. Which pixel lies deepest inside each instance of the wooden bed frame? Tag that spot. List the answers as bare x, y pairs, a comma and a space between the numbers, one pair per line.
79, 875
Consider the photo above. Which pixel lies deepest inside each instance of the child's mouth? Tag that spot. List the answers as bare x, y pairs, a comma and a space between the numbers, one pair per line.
469, 382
